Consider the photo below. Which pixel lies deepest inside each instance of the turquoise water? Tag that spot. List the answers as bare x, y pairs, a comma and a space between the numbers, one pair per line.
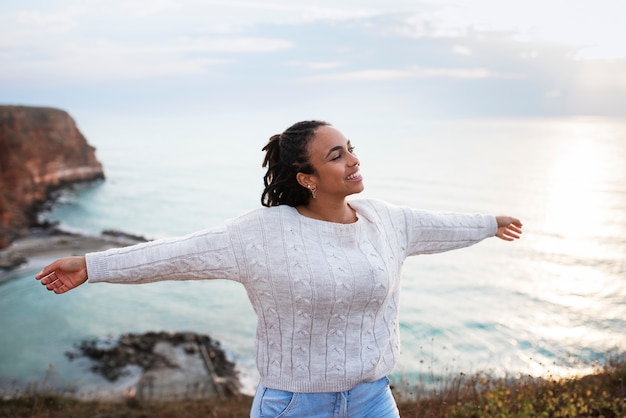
550, 304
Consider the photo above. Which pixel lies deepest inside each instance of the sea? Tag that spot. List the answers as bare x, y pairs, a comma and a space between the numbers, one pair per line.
552, 304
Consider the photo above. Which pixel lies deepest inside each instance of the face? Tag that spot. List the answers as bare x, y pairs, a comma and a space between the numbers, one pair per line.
336, 165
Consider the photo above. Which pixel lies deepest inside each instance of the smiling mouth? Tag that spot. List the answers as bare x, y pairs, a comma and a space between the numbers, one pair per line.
354, 176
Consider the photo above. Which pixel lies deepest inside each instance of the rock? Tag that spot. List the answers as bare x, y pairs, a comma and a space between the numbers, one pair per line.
41, 150
173, 365
116, 233
11, 261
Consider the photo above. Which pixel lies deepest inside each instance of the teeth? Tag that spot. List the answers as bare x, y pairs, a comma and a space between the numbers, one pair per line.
355, 175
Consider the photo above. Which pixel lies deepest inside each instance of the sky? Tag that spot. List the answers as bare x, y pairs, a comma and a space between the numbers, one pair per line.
409, 58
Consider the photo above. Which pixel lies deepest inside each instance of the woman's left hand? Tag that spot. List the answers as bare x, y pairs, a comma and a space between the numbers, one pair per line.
509, 228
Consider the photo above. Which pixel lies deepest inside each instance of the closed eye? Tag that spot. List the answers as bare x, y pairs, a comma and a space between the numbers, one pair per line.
340, 151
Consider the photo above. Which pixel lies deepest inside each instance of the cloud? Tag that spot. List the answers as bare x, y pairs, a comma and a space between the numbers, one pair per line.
46, 22
461, 50
595, 29
523, 53
413, 72
105, 60
145, 8
231, 45
324, 66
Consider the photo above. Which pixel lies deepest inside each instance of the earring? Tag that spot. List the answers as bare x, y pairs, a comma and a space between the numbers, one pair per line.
313, 191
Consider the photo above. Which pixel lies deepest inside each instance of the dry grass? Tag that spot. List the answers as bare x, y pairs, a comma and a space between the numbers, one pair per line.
41, 406
601, 394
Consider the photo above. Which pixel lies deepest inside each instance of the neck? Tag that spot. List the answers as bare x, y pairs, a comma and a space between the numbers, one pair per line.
337, 212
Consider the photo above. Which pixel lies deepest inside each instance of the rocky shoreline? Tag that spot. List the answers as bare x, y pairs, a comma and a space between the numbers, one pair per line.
154, 365
44, 152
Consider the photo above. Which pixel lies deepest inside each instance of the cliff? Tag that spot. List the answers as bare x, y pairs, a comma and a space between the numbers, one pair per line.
41, 150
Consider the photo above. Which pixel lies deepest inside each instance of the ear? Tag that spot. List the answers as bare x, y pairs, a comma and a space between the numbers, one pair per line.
305, 180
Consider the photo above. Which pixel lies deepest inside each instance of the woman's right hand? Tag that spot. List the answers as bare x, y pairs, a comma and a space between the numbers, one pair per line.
64, 274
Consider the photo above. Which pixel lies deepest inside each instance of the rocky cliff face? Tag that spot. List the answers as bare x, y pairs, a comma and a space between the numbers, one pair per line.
41, 150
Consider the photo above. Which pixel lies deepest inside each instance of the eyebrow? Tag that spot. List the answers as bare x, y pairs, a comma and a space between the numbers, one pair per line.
336, 148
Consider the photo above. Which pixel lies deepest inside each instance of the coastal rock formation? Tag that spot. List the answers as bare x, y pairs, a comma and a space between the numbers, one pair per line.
173, 365
41, 150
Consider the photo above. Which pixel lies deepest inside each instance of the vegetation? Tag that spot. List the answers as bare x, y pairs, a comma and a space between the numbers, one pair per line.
601, 394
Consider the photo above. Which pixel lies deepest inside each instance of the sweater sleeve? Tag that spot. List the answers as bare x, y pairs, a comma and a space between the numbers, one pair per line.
432, 232
202, 255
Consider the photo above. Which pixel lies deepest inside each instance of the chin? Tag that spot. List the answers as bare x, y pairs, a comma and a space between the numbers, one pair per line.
357, 191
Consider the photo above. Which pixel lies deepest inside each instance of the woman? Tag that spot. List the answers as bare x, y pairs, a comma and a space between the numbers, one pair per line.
321, 272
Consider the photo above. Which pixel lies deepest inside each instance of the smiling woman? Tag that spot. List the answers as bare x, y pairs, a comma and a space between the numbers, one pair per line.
546, 305
321, 272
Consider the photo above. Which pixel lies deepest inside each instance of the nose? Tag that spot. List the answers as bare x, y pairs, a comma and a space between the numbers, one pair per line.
354, 160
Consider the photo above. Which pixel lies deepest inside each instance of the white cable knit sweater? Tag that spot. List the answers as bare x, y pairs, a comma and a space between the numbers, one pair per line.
326, 294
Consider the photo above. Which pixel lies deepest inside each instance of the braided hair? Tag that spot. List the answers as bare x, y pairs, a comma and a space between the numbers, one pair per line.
286, 155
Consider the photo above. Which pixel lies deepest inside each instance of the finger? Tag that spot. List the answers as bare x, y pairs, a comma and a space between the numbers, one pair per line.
507, 234
61, 289
46, 271
48, 278
511, 234
58, 287
54, 284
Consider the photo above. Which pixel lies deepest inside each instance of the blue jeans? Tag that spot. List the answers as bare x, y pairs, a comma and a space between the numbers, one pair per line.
368, 399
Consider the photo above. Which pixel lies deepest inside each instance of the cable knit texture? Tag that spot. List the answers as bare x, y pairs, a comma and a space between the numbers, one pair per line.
326, 294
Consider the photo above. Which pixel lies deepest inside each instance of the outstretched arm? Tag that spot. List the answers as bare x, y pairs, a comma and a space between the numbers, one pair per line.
64, 275
509, 228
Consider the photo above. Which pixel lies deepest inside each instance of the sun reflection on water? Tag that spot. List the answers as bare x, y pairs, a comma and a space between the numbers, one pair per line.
575, 206
583, 212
